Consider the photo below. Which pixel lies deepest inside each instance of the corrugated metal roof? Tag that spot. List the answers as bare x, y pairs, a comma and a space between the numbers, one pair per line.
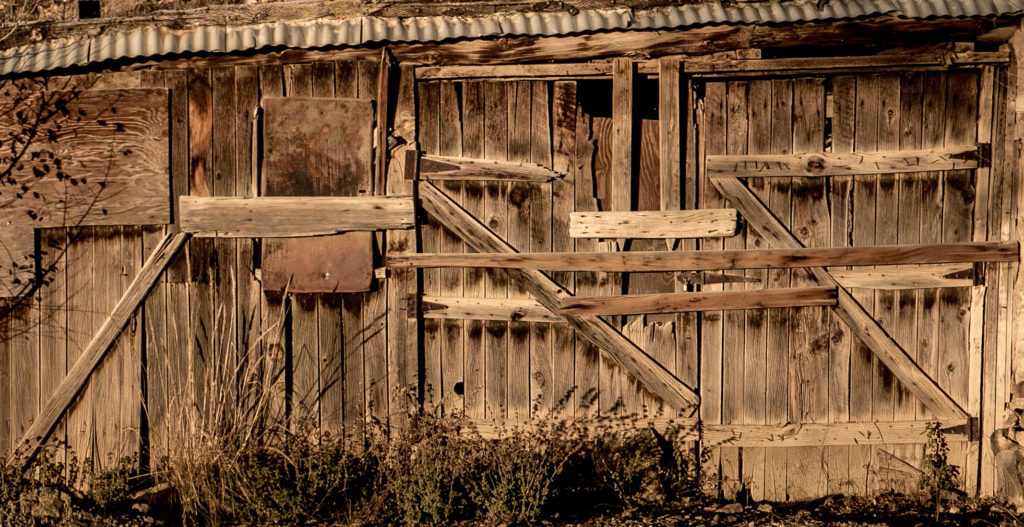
155, 41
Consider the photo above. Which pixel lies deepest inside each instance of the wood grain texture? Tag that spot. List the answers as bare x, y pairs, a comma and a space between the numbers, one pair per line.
440, 168
822, 164
99, 345
703, 223
109, 167
654, 376
622, 134
848, 308
704, 301
959, 252
293, 217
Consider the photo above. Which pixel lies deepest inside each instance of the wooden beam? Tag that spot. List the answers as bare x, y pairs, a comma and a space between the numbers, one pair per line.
849, 310
669, 136
843, 164
821, 434
500, 309
622, 135
660, 261
703, 301
439, 168
738, 435
712, 66
923, 277
700, 223
97, 349
293, 217
649, 372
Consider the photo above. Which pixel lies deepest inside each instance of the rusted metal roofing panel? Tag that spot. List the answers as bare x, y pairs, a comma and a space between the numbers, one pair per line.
155, 41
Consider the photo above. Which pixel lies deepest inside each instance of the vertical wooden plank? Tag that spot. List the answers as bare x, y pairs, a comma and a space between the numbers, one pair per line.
1001, 149
959, 197
329, 395
129, 347
844, 97
520, 98
473, 146
755, 352
687, 323
588, 361
958, 202
378, 349
303, 358
886, 218
496, 216
402, 316
428, 111
53, 324
248, 290
733, 336
104, 389
352, 330
982, 205
777, 408
272, 308
542, 371
711, 336
23, 346
452, 391
6, 443
622, 142
669, 120
169, 368
809, 350
908, 232
863, 212
201, 256
570, 394
79, 309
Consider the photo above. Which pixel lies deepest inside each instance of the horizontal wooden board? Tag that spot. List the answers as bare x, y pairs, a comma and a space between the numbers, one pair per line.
467, 169
703, 223
655, 261
716, 435
917, 277
291, 217
502, 309
703, 301
843, 164
710, 65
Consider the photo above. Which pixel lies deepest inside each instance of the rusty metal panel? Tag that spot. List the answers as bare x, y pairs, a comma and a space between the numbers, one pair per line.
318, 147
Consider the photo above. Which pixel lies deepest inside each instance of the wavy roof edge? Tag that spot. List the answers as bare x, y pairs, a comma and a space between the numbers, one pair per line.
155, 41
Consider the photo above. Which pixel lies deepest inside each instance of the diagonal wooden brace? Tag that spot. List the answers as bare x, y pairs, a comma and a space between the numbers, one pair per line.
853, 314
648, 371
97, 349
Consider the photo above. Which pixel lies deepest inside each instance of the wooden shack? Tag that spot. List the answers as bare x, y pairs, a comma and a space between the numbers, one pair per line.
792, 227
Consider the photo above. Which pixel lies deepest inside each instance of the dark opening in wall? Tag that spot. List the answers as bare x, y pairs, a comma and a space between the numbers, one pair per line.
88, 9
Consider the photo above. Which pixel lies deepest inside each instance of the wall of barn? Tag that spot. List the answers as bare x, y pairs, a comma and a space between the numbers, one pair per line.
208, 330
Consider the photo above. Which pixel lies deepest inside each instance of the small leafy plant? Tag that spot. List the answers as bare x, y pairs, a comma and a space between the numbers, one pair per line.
938, 475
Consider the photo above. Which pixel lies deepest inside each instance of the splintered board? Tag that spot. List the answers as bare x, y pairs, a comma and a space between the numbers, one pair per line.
318, 147
90, 157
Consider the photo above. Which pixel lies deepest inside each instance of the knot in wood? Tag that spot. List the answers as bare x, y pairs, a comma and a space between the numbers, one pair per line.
815, 165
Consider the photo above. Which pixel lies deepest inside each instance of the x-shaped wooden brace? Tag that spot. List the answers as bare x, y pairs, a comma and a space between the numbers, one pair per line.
849, 310
623, 351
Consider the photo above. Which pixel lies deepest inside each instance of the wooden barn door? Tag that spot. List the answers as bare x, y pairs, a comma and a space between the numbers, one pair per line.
806, 365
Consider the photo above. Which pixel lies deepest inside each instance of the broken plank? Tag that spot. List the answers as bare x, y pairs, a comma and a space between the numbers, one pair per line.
653, 375
466, 169
501, 309
293, 217
98, 347
848, 308
701, 223
659, 261
921, 277
843, 164
703, 301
